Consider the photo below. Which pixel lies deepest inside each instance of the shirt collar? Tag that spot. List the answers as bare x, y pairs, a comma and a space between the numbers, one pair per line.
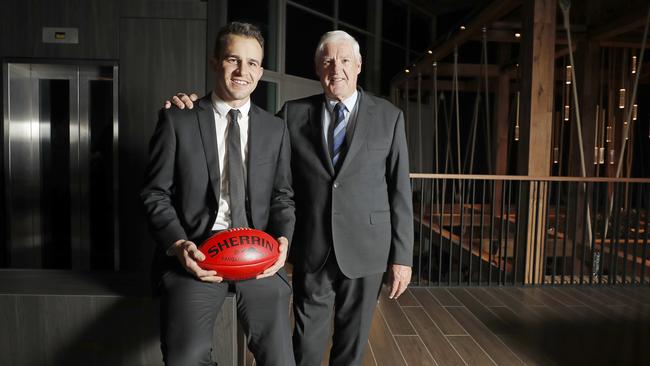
349, 102
222, 108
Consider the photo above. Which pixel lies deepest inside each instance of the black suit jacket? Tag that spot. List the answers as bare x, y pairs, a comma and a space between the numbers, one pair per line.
364, 212
181, 192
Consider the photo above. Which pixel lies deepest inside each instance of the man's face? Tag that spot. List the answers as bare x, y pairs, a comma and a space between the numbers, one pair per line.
338, 68
238, 70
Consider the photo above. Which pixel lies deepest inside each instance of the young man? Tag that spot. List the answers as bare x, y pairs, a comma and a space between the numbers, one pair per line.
223, 164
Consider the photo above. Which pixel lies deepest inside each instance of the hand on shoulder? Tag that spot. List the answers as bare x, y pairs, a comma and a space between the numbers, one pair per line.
181, 100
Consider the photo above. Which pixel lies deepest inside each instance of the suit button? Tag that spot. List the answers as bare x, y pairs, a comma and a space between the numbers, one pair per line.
336, 184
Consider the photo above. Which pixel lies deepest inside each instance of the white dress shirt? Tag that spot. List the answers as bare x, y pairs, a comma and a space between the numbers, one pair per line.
221, 110
329, 110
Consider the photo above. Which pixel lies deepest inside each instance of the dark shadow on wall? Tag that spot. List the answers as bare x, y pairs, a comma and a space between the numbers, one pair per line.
57, 318
75, 318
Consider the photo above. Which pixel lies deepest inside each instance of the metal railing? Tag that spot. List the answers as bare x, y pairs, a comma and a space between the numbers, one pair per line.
510, 230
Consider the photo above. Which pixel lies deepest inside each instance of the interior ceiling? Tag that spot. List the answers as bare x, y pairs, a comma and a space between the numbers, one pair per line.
614, 23
441, 7
586, 15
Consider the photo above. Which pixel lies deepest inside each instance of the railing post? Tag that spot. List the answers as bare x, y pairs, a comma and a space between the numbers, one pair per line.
536, 233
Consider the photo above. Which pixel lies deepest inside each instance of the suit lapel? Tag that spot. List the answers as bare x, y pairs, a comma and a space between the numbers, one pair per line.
318, 137
205, 116
365, 116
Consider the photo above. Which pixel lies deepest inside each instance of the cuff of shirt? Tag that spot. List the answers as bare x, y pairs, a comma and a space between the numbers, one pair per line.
170, 251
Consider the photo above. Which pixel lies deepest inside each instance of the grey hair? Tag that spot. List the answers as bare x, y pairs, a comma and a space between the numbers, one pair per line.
335, 36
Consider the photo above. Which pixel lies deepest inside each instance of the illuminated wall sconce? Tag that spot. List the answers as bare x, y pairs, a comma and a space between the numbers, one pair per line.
567, 112
621, 98
601, 155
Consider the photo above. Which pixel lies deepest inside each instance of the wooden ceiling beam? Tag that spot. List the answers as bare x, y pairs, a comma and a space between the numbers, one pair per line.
490, 13
448, 85
499, 35
615, 43
465, 70
620, 25
441, 7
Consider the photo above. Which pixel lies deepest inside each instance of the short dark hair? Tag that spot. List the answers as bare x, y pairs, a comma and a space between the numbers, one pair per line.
237, 29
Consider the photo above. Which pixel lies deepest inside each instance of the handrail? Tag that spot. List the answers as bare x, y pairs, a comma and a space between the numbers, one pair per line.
529, 178
489, 229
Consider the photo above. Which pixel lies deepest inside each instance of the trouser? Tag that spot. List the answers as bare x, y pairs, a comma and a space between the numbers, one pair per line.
318, 295
189, 308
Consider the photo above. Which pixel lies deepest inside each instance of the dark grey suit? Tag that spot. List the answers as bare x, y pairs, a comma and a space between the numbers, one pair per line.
350, 225
181, 198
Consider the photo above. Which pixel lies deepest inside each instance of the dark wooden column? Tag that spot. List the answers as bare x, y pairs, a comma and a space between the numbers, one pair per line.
502, 116
534, 147
537, 71
501, 123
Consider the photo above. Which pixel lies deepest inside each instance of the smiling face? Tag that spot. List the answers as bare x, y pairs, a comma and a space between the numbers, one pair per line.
238, 69
338, 68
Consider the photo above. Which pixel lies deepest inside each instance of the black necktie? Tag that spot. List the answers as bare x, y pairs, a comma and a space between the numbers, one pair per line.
236, 184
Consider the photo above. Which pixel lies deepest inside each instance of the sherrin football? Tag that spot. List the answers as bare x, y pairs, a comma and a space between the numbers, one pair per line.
239, 253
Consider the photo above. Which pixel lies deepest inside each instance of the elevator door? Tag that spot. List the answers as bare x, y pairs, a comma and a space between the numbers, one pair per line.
60, 166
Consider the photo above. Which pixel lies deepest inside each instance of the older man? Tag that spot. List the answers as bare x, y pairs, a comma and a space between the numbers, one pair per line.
354, 216
353, 206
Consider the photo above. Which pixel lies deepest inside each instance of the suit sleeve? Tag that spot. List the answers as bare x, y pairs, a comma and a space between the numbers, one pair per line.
399, 195
282, 113
282, 215
159, 185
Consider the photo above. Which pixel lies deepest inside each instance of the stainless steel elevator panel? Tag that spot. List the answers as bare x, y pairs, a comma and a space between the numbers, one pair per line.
60, 152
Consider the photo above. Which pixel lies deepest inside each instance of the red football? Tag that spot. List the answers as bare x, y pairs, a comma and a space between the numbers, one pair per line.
239, 253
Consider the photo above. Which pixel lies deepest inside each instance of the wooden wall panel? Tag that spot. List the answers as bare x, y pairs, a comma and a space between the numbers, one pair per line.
8, 331
158, 57
167, 9
96, 21
18, 28
30, 347
226, 335
111, 330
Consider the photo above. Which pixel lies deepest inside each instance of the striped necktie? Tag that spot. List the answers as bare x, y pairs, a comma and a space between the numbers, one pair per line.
338, 133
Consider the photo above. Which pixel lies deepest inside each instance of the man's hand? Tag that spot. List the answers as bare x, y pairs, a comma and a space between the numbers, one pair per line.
284, 246
188, 254
182, 100
399, 277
